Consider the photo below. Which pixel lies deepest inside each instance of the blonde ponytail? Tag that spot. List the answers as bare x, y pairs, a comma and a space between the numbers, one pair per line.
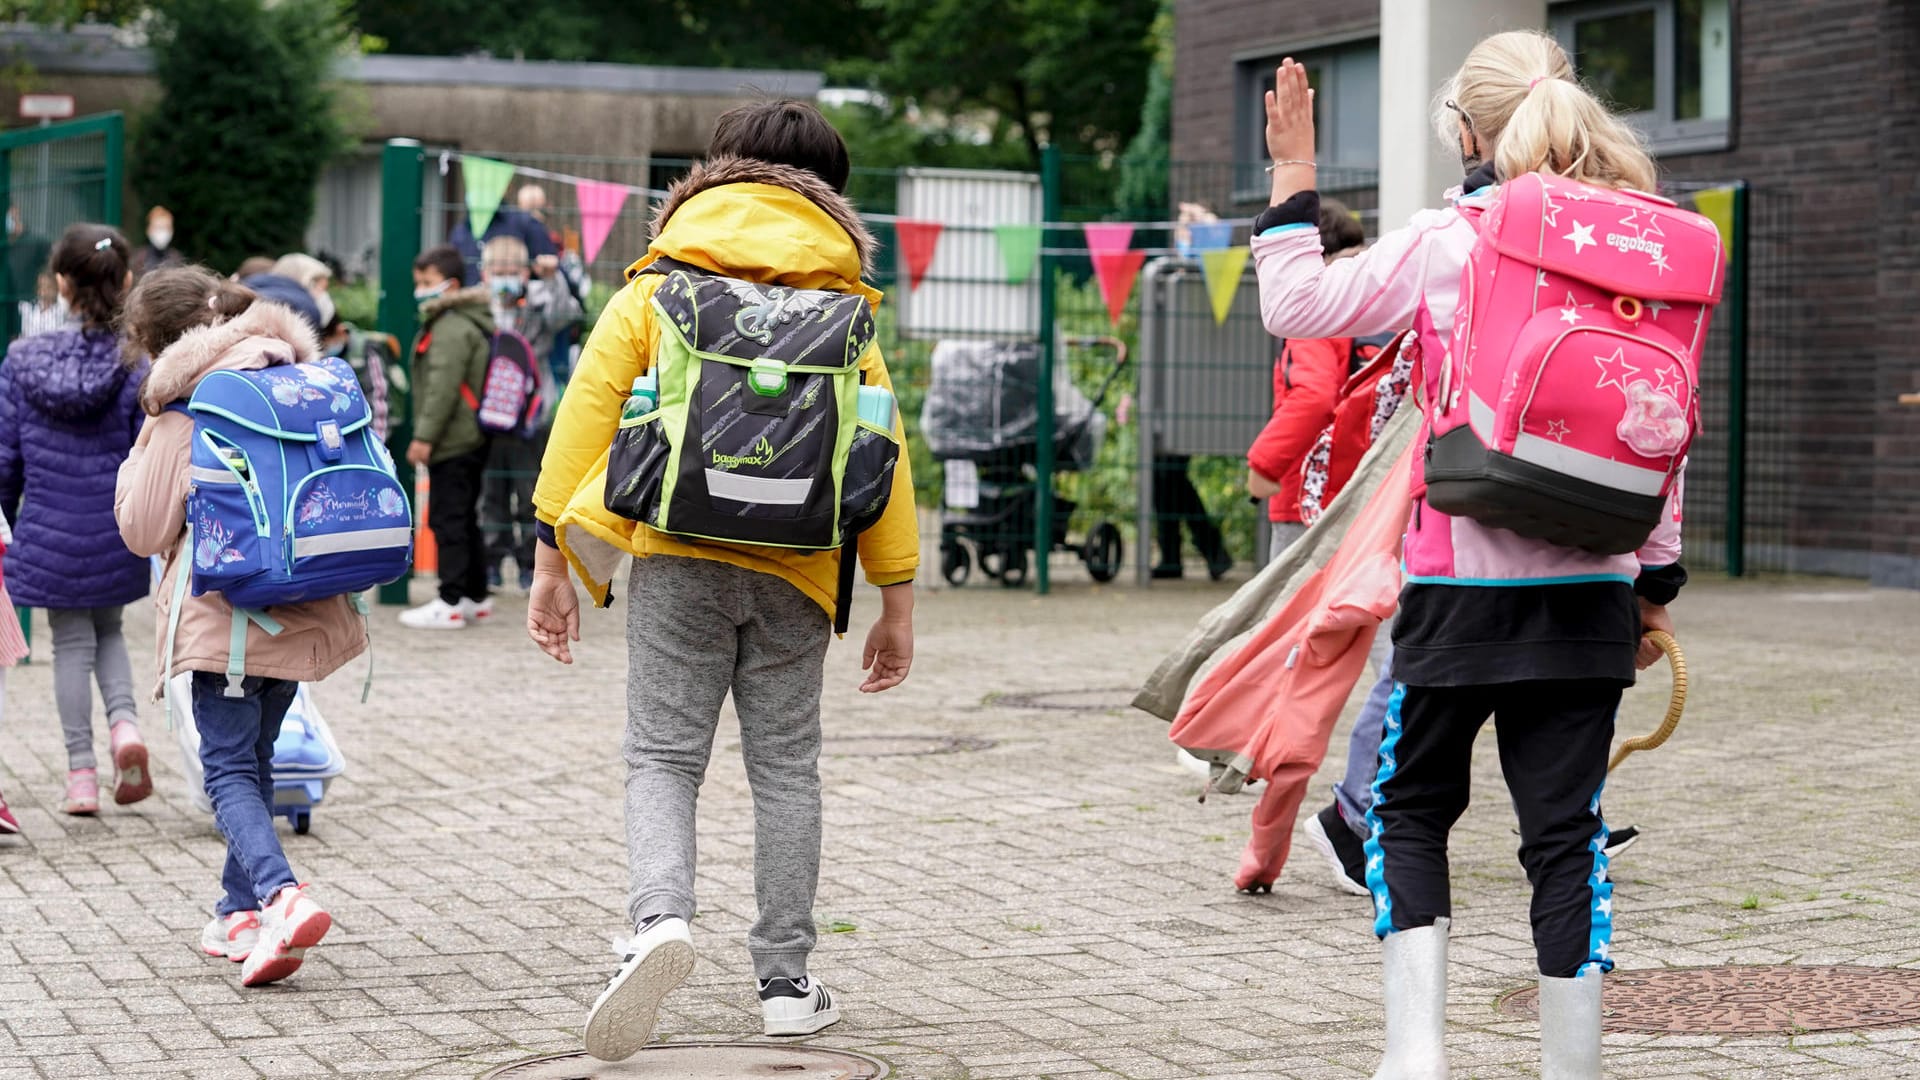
1519, 94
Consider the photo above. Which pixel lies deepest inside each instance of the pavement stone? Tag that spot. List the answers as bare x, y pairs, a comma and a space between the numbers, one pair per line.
1058, 904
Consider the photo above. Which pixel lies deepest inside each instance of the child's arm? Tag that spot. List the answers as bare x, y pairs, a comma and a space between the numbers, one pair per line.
1314, 370
889, 652
12, 468
150, 495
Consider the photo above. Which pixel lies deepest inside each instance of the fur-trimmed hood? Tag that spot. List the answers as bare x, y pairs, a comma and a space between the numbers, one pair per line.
453, 298
802, 229
264, 335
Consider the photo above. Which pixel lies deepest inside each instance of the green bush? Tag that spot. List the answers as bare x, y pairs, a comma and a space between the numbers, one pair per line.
358, 302
246, 120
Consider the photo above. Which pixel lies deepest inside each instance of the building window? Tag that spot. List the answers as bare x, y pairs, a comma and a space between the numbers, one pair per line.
1666, 64
1346, 117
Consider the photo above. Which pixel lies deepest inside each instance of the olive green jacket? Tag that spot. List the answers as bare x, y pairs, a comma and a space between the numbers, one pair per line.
454, 346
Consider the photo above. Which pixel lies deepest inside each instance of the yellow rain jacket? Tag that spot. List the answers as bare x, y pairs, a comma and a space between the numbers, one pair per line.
765, 223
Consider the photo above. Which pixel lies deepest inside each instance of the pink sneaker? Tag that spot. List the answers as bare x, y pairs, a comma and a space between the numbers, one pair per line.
290, 924
131, 781
8, 826
233, 936
83, 793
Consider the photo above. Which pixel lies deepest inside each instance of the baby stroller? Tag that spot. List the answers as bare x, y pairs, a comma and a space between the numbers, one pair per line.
306, 760
982, 418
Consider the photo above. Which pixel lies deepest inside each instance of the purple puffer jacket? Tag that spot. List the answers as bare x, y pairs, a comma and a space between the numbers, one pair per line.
69, 411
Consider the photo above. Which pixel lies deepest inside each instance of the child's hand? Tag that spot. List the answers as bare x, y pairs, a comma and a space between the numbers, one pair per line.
419, 453
553, 608
889, 654
1652, 617
1290, 114
1259, 486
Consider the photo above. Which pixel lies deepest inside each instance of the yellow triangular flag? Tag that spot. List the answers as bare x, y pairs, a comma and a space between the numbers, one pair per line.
1222, 269
1716, 205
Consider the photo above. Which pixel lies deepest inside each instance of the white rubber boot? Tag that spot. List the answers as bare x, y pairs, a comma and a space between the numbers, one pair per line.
1570, 1027
1415, 963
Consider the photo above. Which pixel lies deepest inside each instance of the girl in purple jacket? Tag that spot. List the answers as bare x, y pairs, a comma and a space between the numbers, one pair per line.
69, 411
1490, 622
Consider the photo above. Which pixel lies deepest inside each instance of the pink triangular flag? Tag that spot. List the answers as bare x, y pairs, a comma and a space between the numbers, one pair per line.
918, 241
1115, 271
1107, 236
599, 208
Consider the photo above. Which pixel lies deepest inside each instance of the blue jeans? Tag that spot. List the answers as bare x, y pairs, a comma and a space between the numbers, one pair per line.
236, 750
1354, 792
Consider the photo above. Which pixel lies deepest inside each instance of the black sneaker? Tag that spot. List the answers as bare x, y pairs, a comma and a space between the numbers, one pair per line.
796, 1007
1219, 566
1345, 855
1169, 571
1619, 840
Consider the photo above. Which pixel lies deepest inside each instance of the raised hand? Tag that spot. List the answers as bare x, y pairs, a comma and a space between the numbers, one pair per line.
1290, 114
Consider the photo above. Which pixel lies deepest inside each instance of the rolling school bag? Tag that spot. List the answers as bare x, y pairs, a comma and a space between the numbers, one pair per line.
759, 436
292, 497
1570, 392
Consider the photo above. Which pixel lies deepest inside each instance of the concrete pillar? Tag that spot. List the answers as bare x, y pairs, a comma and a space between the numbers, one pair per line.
1422, 42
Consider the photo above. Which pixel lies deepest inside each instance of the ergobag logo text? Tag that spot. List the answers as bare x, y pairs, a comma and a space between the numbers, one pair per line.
1569, 393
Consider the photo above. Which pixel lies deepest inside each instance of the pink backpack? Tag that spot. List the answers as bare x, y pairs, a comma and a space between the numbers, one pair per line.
1569, 396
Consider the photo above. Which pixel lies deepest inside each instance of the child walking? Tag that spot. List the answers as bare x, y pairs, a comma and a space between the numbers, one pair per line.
13, 649
68, 416
767, 212
193, 323
1544, 636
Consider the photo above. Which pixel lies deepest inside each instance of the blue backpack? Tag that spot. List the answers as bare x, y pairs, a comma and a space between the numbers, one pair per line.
292, 497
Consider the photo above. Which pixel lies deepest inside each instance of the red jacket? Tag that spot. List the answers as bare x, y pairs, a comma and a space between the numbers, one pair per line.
1306, 383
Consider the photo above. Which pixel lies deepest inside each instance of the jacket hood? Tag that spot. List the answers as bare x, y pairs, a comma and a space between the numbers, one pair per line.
69, 374
453, 298
264, 335
764, 222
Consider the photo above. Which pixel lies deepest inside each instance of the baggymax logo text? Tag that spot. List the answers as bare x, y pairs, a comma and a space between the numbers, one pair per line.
762, 454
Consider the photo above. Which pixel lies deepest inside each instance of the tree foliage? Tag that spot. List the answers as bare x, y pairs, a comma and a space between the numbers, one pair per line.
1144, 168
245, 122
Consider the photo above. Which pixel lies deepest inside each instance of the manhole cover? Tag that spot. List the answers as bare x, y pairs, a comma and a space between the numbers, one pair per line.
1107, 699
900, 745
702, 1061
1750, 1000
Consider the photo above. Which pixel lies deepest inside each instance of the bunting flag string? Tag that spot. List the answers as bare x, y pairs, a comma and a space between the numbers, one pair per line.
486, 183
1221, 269
600, 205
918, 242
1019, 248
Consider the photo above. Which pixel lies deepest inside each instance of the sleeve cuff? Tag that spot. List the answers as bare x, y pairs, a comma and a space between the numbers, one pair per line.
898, 577
1302, 209
1660, 584
546, 534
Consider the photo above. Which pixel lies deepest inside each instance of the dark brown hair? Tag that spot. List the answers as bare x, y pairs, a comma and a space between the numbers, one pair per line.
446, 259
254, 264
168, 303
94, 260
785, 133
1339, 229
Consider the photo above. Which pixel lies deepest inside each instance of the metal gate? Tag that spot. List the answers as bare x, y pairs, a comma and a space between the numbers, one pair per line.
50, 177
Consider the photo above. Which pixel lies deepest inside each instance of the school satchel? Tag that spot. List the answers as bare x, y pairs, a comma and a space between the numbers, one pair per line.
291, 497
1571, 390
757, 437
508, 401
1381, 369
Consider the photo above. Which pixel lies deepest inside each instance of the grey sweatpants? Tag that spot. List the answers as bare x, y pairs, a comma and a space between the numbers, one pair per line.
88, 646
697, 629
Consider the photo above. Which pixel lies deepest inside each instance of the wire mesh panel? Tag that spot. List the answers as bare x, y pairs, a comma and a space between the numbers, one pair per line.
54, 176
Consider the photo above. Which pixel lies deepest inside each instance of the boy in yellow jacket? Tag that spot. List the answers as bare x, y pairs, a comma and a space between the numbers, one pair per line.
705, 619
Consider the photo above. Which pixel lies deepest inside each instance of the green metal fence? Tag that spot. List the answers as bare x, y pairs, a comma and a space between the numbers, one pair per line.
1738, 473
50, 177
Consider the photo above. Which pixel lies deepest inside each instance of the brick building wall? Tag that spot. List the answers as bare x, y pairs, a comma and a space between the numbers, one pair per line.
1827, 129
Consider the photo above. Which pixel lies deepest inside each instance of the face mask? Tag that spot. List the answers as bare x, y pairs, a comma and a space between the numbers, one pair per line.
324, 302
160, 238
429, 292
507, 288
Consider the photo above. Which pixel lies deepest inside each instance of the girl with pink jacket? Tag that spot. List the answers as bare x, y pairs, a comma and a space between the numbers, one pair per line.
1490, 622
194, 323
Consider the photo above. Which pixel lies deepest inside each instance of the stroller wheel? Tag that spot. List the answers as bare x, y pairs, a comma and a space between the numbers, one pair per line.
1104, 552
1013, 566
956, 563
303, 822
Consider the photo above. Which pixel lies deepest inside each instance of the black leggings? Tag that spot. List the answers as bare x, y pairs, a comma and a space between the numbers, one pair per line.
1554, 737
453, 513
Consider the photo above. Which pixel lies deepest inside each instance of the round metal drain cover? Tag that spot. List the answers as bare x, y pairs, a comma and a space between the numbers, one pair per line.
900, 745
1750, 1000
1104, 699
702, 1061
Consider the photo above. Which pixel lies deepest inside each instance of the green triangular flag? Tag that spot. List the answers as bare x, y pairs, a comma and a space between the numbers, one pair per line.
486, 183
1019, 246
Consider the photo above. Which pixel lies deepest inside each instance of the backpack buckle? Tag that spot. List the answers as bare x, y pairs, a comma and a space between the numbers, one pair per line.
327, 438
767, 377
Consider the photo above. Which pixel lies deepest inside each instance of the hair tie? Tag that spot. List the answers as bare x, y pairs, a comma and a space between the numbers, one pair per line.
103, 243
213, 302
1537, 80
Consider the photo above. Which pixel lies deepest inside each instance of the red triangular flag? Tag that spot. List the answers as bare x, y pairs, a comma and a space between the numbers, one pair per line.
918, 239
1115, 271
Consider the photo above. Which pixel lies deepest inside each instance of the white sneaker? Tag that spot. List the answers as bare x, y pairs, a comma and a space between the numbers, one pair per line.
653, 963
796, 1008
477, 611
232, 936
290, 924
437, 614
